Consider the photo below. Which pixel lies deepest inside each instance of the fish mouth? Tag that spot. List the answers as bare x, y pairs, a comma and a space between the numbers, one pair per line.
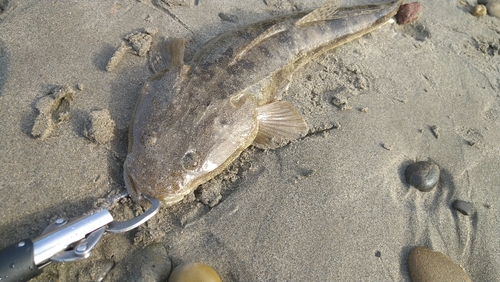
173, 193
168, 194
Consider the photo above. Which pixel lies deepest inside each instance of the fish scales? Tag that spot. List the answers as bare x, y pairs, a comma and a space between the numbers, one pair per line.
192, 120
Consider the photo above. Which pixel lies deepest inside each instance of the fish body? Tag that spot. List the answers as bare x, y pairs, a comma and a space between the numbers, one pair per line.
192, 120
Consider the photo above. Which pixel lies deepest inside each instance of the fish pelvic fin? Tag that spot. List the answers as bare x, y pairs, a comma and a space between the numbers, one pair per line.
278, 123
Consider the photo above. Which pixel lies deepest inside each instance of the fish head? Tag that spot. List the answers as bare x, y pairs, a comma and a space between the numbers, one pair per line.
189, 147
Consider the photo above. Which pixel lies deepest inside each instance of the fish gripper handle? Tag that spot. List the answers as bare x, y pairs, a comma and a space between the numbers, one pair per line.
17, 262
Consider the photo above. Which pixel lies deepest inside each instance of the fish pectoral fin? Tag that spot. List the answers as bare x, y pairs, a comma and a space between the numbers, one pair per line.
278, 123
323, 13
167, 54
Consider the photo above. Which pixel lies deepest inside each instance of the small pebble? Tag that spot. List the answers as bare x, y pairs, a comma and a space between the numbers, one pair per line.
494, 8
463, 207
194, 272
435, 131
479, 10
422, 175
430, 266
408, 13
386, 146
228, 18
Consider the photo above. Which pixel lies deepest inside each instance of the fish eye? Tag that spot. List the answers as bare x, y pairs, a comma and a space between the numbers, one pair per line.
191, 160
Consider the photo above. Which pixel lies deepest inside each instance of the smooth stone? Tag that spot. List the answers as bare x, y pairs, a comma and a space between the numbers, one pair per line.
228, 18
422, 175
463, 207
479, 10
408, 13
426, 265
152, 263
493, 8
194, 272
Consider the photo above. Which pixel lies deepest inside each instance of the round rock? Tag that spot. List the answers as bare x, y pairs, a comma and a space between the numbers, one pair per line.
493, 8
194, 272
426, 265
463, 207
408, 13
422, 175
479, 10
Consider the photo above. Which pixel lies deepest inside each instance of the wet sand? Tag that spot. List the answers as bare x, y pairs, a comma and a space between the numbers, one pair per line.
333, 206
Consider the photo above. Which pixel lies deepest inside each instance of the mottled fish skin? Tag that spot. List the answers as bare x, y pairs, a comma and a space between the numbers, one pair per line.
192, 120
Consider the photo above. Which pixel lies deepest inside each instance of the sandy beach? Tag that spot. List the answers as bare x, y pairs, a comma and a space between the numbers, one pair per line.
332, 206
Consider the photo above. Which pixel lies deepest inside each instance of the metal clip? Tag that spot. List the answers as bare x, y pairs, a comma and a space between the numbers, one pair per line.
124, 226
64, 241
82, 248
61, 236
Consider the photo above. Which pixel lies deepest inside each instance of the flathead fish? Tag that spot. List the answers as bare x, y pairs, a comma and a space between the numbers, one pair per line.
193, 119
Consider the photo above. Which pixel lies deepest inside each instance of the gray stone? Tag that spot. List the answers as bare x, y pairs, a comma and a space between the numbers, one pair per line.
463, 207
422, 175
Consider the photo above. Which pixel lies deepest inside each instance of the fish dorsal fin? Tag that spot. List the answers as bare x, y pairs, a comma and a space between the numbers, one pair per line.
279, 123
176, 48
167, 54
268, 33
323, 13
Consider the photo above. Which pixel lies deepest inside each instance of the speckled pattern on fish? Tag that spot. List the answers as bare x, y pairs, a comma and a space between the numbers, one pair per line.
192, 120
